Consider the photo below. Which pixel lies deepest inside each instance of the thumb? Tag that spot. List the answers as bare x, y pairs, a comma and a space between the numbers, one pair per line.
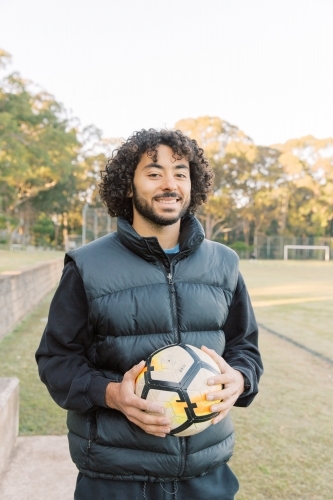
150, 406
135, 371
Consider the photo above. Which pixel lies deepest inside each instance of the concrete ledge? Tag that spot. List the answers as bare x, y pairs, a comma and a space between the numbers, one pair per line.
9, 419
21, 291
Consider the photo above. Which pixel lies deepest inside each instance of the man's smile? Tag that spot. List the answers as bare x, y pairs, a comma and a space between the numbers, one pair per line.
168, 201
168, 198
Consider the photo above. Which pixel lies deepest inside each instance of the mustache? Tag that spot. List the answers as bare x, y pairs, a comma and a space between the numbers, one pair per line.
168, 195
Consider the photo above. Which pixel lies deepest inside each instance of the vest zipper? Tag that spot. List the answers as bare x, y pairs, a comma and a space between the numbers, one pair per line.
173, 307
182, 456
177, 339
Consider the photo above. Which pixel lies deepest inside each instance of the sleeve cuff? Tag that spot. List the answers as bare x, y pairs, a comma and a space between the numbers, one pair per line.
96, 391
249, 387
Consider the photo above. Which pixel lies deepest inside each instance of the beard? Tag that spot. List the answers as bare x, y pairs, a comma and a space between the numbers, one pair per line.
147, 212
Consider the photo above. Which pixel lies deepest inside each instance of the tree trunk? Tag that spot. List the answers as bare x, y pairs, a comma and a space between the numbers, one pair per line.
65, 231
208, 227
284, 213
246, 231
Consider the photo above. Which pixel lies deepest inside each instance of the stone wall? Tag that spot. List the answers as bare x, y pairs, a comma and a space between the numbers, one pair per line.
21, 291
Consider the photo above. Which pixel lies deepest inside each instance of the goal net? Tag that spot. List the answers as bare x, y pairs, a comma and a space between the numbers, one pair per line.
306, 247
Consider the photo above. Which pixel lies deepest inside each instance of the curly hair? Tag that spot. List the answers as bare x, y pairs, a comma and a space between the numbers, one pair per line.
117, 178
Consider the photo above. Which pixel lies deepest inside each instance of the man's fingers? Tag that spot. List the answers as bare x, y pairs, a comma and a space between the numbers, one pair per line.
221, 406
154, 408
219, 395
135, 370
143, 411
218, 359
148, 415
150, 423
220, 416
132, 400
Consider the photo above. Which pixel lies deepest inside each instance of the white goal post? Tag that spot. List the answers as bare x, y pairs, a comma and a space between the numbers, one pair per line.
307, 247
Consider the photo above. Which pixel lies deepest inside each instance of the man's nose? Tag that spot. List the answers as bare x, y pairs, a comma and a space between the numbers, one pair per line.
169, 183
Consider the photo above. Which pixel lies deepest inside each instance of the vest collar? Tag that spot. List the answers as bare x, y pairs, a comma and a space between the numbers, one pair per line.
191, 237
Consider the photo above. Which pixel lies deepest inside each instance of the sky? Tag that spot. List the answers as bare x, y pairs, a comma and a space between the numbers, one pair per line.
265, 66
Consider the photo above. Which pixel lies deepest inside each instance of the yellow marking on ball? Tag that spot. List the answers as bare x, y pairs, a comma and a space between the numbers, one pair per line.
179, 408
202, 405
141, 374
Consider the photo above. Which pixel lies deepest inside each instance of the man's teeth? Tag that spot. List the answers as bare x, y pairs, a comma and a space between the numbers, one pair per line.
169, 201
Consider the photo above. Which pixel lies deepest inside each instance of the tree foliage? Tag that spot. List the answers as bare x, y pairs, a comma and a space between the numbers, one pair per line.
306, 190
39, 147
285, 188
50, 167
48, 163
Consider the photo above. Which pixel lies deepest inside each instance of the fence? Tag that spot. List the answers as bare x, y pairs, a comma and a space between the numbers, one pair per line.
96, 223
272, 247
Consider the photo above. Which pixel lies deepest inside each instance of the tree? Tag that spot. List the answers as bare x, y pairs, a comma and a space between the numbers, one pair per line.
48, 164
39, 146
253, 173
245, 177
214, 136
305, 188
68, 198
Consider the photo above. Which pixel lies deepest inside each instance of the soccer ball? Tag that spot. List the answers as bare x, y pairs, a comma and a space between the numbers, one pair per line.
176, 377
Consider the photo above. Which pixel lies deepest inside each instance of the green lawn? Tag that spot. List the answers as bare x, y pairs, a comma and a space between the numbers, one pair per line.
284, 439
18, 260
294, 298
38, 413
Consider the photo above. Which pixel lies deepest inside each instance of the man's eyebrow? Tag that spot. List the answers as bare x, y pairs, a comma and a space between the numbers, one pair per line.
157, 165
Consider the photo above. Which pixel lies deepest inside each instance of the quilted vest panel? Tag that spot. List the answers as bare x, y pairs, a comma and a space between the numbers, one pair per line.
134, 310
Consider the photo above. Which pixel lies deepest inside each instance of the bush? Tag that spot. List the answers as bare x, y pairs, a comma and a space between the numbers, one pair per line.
241, 248
43, 230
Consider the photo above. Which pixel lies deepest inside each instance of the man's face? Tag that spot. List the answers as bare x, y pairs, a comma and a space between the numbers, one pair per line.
161, 190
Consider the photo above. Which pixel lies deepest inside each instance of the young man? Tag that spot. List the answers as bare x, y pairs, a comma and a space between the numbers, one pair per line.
154, 282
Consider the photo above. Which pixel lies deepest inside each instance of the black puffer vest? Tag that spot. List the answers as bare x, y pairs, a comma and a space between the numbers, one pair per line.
138, 303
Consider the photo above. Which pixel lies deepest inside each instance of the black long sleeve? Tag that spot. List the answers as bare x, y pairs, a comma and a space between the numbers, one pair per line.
241, 334
74, 383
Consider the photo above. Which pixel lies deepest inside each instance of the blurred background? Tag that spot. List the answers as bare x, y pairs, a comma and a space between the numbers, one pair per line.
251, 80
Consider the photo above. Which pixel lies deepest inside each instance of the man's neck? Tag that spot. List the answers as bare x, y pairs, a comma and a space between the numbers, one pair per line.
168, 236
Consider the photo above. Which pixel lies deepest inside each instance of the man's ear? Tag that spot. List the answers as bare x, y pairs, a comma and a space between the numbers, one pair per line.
130, 192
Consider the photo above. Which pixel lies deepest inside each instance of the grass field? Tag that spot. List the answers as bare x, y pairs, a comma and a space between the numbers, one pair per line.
295, 298
38, 413
284, 439
18, 260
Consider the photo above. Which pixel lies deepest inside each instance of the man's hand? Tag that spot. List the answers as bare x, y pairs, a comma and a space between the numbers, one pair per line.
233, 386
121, 396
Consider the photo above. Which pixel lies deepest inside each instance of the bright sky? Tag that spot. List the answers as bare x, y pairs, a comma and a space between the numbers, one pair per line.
263, 65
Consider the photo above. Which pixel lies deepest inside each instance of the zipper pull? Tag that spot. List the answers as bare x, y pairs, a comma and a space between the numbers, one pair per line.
169, 276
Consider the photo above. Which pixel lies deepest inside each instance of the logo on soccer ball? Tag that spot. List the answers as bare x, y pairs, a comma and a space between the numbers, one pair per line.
176, 377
